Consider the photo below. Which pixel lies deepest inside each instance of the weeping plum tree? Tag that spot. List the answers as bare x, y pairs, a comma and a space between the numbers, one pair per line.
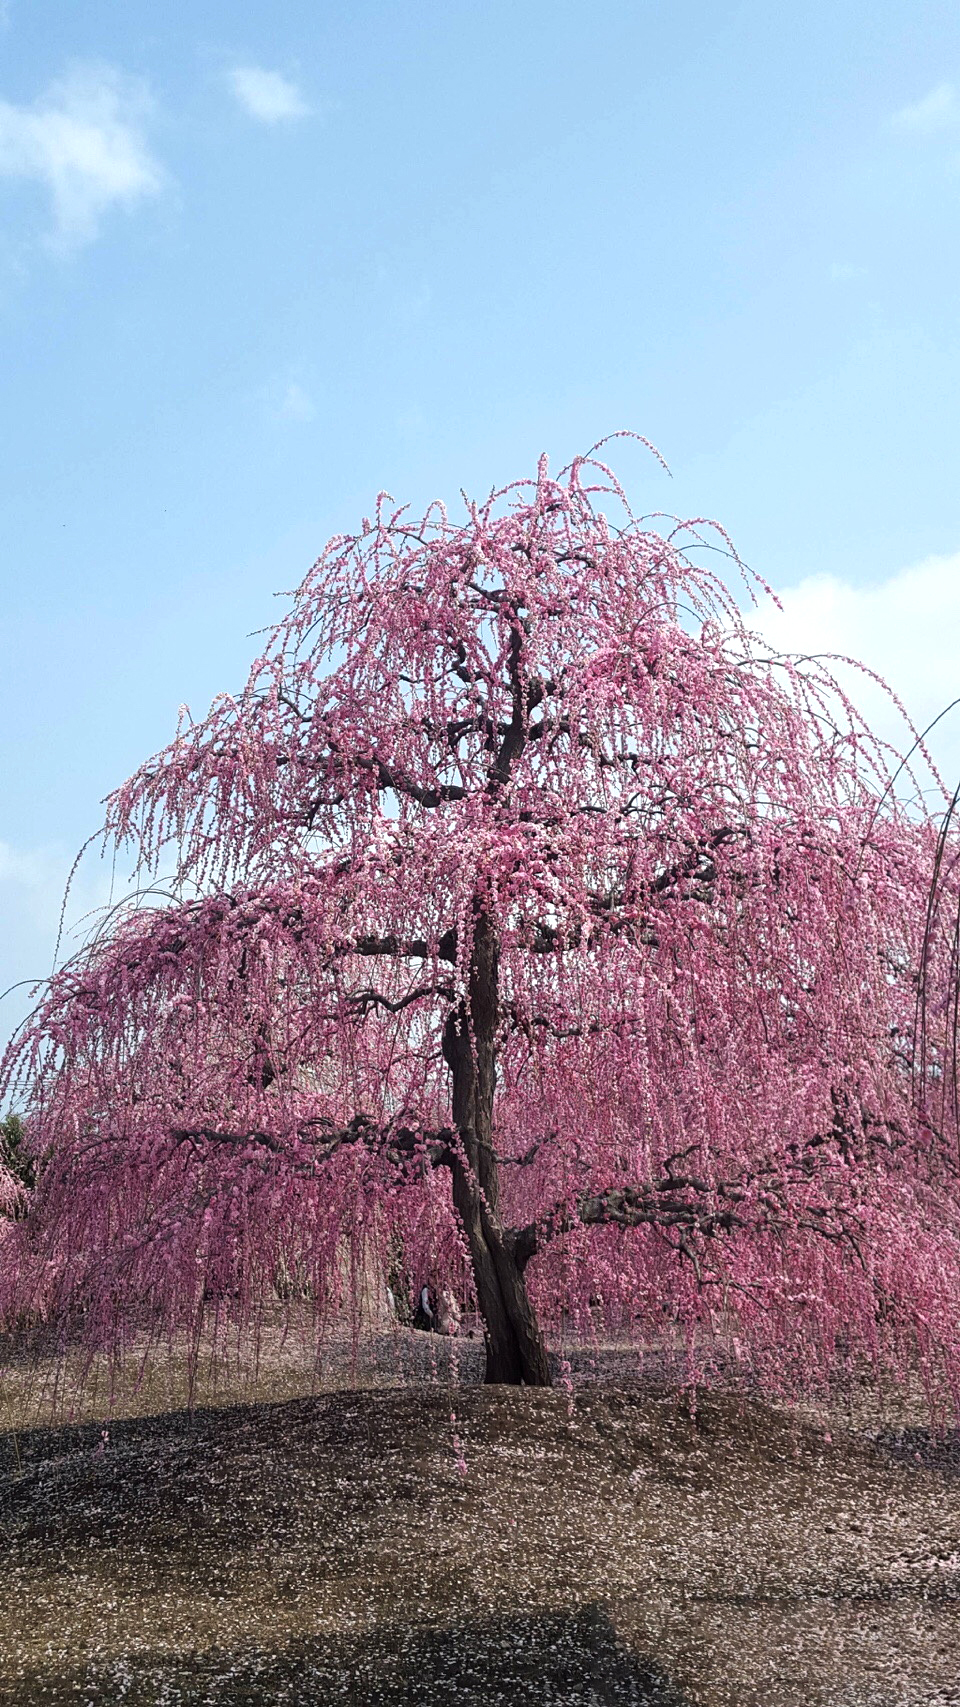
528, 918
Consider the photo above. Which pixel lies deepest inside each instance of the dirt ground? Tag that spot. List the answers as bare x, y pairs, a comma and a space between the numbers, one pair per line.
361, 1545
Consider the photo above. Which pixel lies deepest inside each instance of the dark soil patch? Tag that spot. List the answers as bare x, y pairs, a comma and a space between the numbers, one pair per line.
333, 1549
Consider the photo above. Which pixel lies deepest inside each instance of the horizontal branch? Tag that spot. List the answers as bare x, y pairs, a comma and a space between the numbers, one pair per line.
363, 1000
396, 1141
629, 1207
415, 948
393, 780
697, 867
682, 1203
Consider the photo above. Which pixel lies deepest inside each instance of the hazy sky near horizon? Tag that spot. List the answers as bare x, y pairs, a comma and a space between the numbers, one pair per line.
257, 263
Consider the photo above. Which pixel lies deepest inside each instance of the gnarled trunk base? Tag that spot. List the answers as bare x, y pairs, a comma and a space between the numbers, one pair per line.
516, 1354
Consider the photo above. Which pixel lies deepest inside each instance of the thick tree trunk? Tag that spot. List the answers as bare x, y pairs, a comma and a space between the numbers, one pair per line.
516, 1353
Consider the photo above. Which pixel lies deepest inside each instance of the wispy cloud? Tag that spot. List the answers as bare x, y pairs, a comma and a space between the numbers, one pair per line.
32, 885
844, 272
32, 869
34, 881
937, 111
904, 628
267, 96
284, 399
296, 404
83, 142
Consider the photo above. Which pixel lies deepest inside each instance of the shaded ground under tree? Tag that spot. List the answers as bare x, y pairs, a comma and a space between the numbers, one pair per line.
348, 1547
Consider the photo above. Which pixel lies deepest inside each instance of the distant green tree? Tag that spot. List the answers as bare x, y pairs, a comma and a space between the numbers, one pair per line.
14, 1153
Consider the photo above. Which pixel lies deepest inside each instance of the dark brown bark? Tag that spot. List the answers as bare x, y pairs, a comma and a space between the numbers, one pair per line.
516, 1354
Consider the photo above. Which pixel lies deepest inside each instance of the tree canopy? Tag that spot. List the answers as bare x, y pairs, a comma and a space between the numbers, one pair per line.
532, 919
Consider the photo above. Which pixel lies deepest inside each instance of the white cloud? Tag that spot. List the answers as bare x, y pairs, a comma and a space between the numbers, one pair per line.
33, 881
296, 404
28, 869
939, 110
83, 142
32, 885
285, 399
266, 95
905, 628
843, 272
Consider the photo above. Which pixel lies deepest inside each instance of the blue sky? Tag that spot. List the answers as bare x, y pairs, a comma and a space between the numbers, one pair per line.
258, 262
